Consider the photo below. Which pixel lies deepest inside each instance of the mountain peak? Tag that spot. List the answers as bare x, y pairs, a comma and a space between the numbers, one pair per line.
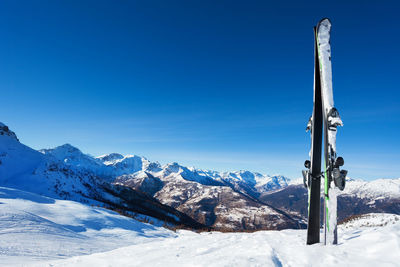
134, 156
5, 131
110, 157
68, 148
173, 167
71, 155
62, 151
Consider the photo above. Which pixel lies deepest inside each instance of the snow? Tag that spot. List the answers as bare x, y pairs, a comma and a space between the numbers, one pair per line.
110, 158
331, 215
72, 156
18, 162
357, 247
296, 181
42, 231
377, 189
4, 130
46, 173
108, 165
35, 228
262, 183
372, 220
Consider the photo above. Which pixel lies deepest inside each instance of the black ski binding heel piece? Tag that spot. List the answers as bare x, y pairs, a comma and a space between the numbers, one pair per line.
339, 176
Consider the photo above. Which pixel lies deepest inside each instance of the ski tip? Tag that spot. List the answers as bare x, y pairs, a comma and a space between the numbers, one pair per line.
324, 21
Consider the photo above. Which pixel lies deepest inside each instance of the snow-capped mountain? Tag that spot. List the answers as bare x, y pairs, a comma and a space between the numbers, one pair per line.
25, 168
5, 131
376, 189
254, 183
225, 201
228, 201
111, 165
120, 165
208, 199
108, 159
66, 173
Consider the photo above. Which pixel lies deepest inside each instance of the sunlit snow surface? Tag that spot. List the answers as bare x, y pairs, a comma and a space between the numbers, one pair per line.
40, 231
35, 228
358, 247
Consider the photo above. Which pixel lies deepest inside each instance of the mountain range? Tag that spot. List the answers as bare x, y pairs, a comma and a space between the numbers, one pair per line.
176, 195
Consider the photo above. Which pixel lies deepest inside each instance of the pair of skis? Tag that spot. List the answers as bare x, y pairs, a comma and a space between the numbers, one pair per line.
324, 120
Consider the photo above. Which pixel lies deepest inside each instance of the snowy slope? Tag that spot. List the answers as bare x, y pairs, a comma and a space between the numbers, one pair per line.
17, 161
377, 246
42, 231
46, 174
34, 228
385, 188
371, 220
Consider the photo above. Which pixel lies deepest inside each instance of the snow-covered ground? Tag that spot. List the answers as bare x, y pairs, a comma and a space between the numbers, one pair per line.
358, 247
41, 231
372, 220
35, 228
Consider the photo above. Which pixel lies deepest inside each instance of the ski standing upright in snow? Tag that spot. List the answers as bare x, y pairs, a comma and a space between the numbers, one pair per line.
325, 118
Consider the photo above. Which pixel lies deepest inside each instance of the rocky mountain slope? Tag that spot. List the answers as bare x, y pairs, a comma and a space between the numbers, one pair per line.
212, 200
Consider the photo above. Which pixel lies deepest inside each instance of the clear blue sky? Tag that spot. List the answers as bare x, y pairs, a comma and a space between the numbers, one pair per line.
222, 85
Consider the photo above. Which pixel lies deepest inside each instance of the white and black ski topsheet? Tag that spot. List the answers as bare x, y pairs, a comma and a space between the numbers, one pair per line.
312, 176
334, 177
